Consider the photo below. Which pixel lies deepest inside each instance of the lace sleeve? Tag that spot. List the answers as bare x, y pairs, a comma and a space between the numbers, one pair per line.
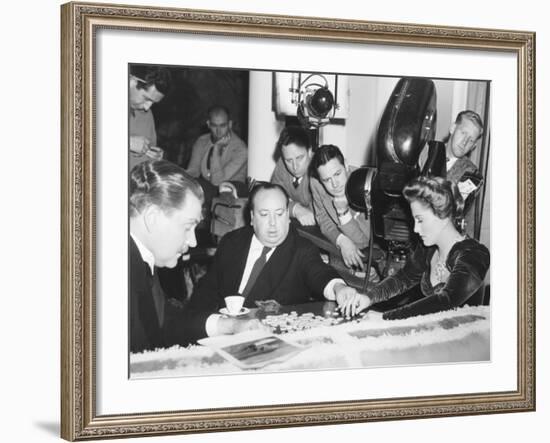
404, 279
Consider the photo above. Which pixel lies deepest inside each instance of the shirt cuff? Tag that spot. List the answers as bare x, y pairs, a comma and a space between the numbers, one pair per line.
340, 235
328, 292
212, 325
291, 206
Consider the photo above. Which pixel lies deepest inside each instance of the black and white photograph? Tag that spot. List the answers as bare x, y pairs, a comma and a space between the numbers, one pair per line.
303, 221
282, 221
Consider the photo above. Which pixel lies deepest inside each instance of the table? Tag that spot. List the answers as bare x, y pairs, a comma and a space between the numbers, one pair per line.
460, 335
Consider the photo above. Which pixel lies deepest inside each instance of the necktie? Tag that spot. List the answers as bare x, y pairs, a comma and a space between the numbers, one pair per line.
209, 158
296, 182
256, 269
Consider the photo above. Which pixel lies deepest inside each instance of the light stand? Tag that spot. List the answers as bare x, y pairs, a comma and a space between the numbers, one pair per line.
359, 195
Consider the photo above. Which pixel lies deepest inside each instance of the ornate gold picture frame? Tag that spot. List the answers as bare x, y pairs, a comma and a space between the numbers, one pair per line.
81, 394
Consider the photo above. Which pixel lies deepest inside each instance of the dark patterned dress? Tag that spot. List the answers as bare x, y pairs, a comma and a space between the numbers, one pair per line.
467, 264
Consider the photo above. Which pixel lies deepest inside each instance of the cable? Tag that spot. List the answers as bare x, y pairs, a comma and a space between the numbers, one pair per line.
369, 261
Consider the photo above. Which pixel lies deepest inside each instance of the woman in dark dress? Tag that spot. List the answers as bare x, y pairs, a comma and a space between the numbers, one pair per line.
448, 266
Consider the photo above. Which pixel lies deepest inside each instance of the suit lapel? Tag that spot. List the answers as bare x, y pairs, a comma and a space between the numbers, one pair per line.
142, 283
148, 314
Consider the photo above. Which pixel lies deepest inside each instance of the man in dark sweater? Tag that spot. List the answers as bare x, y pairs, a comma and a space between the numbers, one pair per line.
291, 172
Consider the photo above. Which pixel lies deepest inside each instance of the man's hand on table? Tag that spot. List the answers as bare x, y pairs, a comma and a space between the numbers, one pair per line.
350, 302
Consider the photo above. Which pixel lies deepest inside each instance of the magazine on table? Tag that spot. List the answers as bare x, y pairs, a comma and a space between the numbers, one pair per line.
253, 349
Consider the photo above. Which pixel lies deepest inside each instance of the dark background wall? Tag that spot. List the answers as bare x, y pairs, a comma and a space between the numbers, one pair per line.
181, 116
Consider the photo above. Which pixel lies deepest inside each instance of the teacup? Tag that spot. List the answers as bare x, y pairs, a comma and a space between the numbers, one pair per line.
234, 303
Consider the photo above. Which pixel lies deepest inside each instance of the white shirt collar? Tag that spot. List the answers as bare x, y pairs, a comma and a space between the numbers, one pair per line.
256, 245
146, 255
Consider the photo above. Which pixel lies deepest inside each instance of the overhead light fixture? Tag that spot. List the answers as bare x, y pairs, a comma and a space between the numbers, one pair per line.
315, 102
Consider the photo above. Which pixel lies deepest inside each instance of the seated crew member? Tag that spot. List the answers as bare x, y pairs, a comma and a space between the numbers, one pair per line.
266, 261
448, 266
147, 86
347, 229
463, 137
219, 156
291, 172
165, 206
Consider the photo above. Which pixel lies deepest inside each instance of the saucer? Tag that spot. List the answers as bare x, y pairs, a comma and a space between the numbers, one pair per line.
243, 311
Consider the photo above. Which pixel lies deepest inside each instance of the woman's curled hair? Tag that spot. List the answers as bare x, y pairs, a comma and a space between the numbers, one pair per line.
160, 183
441, 195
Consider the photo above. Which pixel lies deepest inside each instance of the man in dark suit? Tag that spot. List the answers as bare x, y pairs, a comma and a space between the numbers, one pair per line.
464, 136
165, 207
156, 321
292, 271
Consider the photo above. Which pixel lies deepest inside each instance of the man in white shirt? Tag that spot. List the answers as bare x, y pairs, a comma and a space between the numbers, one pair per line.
220, 155
165, 207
